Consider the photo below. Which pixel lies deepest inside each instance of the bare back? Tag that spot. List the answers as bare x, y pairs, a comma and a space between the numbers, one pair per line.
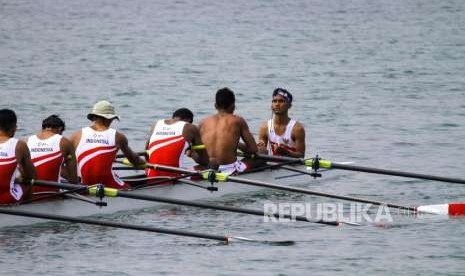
221, 133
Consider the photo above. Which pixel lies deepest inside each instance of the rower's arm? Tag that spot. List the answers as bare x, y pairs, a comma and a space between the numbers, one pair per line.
147, 143
75, 138
70, 165
263, 137
122, 143
193, 136
298, 134
26, 167
249, 145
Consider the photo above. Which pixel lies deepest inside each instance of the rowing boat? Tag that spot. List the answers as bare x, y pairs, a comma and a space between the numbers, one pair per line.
80, 205
265, 178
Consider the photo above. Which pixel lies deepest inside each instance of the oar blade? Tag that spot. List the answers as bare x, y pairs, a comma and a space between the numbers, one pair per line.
451, 209
267, 242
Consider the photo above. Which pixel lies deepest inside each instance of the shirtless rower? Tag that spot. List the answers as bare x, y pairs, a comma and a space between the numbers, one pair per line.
222, 132
96, 147
170, 142
14, 155
52, 154
282, 135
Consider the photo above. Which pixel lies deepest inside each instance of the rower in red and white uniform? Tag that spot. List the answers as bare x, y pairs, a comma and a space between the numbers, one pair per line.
52, 154
282, 135
14, 155
170, 142
97, 145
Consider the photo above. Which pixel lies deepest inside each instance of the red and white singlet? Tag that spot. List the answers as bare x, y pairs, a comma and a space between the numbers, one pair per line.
166, 147
95, 154
284, 140
10, 192
47, 158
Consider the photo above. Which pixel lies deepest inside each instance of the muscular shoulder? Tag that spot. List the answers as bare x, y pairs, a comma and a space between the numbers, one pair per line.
299, 127
21, 148
120, 138
65, 143
190, 128
206, 121
21, 144
298, 131
238, 119
264, 125
76, 136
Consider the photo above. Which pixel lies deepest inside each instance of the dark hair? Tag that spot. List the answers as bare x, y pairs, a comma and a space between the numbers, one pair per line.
53, 121
8, 120
224, 98
184, 114
283, 93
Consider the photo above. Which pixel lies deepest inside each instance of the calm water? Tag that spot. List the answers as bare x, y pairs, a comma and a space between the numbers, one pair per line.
380, 83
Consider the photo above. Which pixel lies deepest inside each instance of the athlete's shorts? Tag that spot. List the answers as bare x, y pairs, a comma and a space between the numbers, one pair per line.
236, 167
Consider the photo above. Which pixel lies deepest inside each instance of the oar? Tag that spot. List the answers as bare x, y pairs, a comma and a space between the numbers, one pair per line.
143, 153
442, 209
140, 153
270, 166
126, 168
225, 239
53, 195
110, 192
261, 168
137, 183
157, 180
326, 164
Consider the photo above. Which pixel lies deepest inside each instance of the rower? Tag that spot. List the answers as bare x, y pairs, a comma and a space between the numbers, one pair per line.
14, 155
282, 135
170, 141
222, 132
52, 154
96, 147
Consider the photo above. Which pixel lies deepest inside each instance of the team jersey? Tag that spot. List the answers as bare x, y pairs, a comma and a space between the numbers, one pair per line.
95, 154
10, 192
284, 140
166, 147
47, 158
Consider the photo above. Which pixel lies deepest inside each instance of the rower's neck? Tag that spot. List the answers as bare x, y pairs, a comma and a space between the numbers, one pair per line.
225, 112
99, 126
4, 137
46, 133
281, 119
171, 121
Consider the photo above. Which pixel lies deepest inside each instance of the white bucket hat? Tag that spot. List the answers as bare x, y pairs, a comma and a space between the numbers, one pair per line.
103, 109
